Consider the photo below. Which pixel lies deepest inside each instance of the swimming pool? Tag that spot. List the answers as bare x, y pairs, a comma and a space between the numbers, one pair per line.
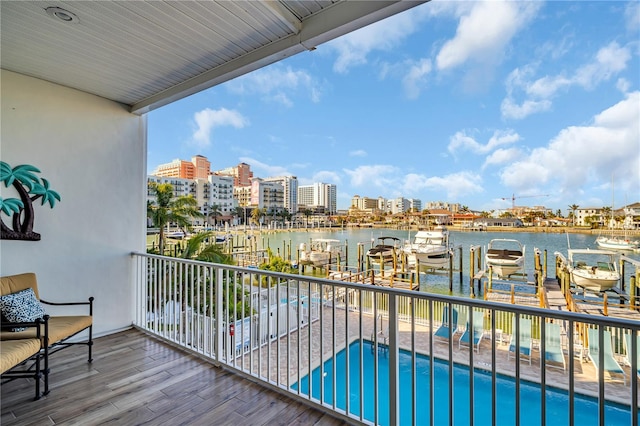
557, 403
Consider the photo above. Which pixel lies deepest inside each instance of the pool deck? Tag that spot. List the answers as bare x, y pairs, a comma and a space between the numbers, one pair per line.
584, 370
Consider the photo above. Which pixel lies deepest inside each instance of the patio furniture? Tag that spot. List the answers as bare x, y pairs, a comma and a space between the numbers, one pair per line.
628, 356
553, 353
20, 358
447, 330
610, 365
474, 335
23, 289
524, 339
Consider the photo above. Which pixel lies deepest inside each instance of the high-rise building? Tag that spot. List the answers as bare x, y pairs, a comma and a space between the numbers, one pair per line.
221, 194
290, 185
267, 195
241, 173
415, 204
318, 196
180, 186
365, 204
197, 168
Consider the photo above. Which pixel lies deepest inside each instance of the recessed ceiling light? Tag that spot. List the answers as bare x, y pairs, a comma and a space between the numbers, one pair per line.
61, 14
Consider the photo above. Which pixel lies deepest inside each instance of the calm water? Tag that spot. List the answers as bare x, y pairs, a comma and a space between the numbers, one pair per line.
439, 283
556, 409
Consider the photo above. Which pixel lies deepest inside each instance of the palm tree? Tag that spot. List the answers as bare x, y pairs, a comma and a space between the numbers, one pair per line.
237, 212
215, 212
606, 216
165, 209
306, 213
573, 208
29, 187
197, 249
257, 214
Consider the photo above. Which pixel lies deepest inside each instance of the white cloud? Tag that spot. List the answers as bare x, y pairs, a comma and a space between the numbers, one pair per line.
484, 32
608, 61
358, 153
623, 85
415, 79
581, 155
327, 176
377, 175
278, 84
208, 119
509, 109
632, 16
461, 141
502, 156
455, 185
353, 48
266, 169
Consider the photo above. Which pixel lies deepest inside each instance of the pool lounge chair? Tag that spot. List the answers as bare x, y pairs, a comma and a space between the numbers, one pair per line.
553, 353
444, 330
610, 364
477, 332
627, 346
524, 339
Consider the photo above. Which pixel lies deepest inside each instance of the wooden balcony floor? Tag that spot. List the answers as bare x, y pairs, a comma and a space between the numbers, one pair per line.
135, 379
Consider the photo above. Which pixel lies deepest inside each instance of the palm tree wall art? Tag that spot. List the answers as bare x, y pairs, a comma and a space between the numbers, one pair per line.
21, 211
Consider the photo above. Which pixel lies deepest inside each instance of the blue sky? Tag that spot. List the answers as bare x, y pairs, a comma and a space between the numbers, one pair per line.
464, 102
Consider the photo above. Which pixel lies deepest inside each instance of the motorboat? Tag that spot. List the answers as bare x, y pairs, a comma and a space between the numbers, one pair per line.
613, 242
594, 270
429, 248
320, 252
175, 234
385, 250
505, 257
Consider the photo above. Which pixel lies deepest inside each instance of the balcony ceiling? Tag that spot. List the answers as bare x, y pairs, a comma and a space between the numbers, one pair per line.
146, 54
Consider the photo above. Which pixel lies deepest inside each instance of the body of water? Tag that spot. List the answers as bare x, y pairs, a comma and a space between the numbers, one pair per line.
439, 282
556, 400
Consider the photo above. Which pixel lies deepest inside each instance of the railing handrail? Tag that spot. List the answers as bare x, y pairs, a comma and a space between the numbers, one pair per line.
457, 300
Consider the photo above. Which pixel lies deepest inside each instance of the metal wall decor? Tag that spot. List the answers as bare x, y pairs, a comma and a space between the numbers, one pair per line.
20, 211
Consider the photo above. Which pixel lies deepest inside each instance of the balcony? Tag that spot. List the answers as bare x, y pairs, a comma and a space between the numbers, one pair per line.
138, 379
254, 347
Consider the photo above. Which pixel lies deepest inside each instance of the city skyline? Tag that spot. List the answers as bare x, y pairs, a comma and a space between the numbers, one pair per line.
430, 105
197, 160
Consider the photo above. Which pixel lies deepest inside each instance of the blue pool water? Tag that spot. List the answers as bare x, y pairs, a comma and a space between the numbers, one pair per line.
586, 408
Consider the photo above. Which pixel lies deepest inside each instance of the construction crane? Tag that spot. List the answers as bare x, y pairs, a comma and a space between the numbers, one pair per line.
513, 198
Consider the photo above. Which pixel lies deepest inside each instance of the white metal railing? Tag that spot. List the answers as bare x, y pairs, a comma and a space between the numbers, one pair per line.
401, 357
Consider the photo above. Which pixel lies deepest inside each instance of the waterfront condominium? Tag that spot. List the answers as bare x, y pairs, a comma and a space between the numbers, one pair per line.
318, 196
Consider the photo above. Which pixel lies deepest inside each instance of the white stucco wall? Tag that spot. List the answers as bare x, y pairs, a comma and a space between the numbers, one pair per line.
93, 153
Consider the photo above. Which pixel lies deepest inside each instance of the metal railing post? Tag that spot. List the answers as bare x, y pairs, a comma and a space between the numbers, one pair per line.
394, 385
219, 332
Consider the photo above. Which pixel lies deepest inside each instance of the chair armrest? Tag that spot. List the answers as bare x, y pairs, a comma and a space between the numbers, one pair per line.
40, 331
88, 303
67, 303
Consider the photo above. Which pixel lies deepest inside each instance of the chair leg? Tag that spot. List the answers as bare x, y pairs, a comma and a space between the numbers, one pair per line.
37, 377
90, 343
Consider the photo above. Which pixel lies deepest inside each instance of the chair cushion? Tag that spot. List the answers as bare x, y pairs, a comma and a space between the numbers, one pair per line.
22, 306
15, 283
13, 352
59, 328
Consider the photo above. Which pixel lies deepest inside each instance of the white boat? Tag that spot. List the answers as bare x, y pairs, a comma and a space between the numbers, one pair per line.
617, 243
386, 250
593, 270
175, 234
429, 248
320, 252
505, 256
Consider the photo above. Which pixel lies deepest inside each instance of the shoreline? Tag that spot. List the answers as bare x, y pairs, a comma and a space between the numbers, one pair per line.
531, 229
